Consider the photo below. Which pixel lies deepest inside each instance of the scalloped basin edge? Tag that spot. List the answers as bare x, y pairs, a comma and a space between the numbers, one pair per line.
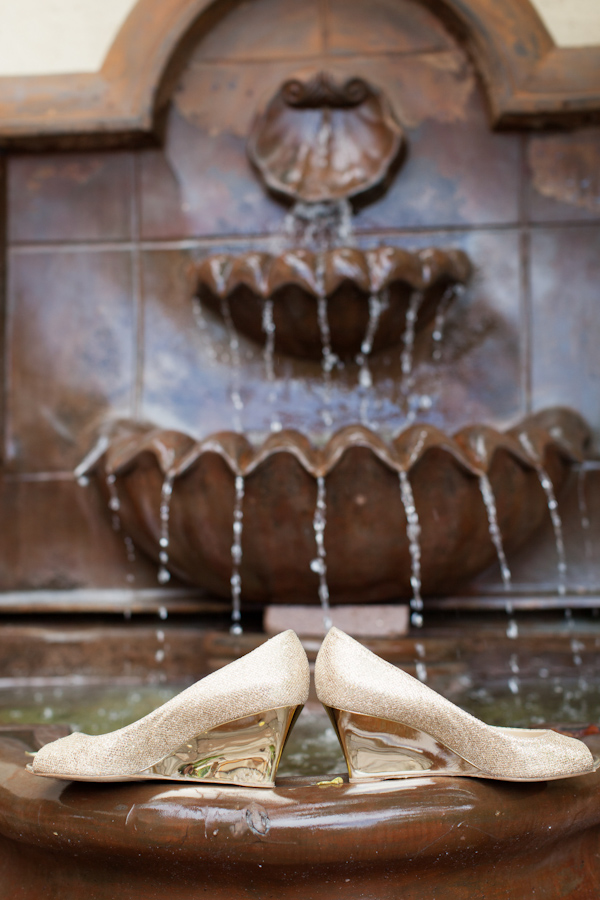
367, 547
238, 285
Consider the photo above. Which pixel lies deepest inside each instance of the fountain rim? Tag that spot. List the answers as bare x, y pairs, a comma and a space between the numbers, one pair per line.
265, 274
62, 816
473, 447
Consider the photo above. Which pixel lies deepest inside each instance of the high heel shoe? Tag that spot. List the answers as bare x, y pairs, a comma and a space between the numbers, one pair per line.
392, 726
228, 728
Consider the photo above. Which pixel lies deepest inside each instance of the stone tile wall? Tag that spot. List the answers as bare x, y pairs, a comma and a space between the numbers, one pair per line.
98, 322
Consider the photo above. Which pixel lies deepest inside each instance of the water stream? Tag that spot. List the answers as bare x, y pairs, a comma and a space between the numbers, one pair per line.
208, 346
319, 225
584, 513
319, 564
420, 666
489, 501
131, 558
413, 531
408, 338
328, 357
268, 326
377, 304
235, 364
165, 513
159, 654
548, 487
81, 474
236, 556
450, 294
512, 629
412, 401
114, 504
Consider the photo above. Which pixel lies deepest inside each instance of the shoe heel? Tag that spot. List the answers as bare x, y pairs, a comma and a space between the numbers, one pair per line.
244, 751
377, 749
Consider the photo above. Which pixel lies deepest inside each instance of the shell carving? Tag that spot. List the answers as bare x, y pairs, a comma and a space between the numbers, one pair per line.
318, 141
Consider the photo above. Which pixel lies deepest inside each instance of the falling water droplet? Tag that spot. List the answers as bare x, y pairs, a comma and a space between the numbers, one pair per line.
131, 558
130, 548
114, 504
236, 556
421, 671
512, 630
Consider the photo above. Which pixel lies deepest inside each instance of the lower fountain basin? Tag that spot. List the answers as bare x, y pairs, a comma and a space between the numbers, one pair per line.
368, 552
424, 838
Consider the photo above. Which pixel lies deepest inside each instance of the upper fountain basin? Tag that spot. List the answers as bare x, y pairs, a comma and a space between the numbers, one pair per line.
366, 542
346, 276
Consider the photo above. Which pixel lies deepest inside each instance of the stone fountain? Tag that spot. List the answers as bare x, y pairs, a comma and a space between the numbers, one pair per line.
379, 503
355, 514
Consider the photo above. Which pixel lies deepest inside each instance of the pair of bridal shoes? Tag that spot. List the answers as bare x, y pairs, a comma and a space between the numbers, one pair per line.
231, 727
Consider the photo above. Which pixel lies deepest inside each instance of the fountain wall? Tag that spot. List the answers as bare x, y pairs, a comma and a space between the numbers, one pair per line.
98, 323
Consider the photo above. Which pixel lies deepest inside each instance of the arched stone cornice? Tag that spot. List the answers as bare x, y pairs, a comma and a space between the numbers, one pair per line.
529, 81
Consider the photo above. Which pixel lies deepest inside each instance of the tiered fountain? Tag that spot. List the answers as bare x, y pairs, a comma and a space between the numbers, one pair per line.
352, 512
362, 514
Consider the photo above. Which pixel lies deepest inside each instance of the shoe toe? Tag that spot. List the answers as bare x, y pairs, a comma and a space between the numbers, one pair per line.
66, 756
554, 755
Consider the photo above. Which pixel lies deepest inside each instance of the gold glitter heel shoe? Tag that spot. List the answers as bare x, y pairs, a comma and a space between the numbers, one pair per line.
392, 726
228, 728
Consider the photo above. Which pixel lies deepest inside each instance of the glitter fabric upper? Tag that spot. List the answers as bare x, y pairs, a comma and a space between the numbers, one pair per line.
350, 677
276, 674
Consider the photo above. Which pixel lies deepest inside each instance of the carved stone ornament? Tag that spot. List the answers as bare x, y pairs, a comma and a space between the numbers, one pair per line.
319, 141
366, 539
